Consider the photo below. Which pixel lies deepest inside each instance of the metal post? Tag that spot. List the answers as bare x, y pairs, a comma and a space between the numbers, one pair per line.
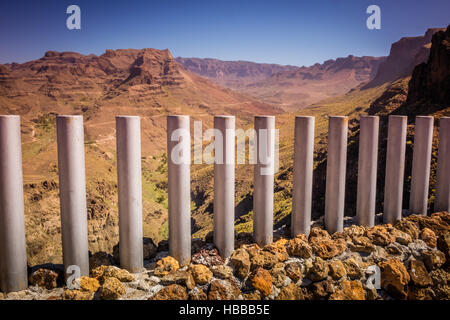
128, 131
263, 180
303, 175
72, 186
224, 184
179, 159
395, 169
13, 256
443, 168
336, 167
367, 170
420, 178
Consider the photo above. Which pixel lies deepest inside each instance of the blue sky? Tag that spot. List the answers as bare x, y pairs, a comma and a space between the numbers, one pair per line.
284, 32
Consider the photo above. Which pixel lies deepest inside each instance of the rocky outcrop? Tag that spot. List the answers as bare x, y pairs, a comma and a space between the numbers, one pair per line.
430, 80
411, 257
405, 54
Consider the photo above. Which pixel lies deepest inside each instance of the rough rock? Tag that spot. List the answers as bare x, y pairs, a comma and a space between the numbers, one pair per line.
299, 248
171, 292
201, 273
408, 227
294, 271
89, 284
380, 236
353, 268
254, 295
111, 289
222, 271
240, 260
337, 269
394, 277
278, 248
316, 232
322, 289
429, 237
419, 274
290, 292
361, 244
181, 277
261, 280
433, 259
165, 266
120, 274
77, 295
349, 290
317, 270
223, 290
327, 248
197, 294
444, 245
208, 257
44, 278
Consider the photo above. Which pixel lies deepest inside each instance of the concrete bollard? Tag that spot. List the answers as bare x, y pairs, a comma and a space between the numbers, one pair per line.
179, 159
263, 180
420, 178
224, 184
442, 202
303, 175
72, 190
367, 170
13, 256
336, 168
395, 169
128, 132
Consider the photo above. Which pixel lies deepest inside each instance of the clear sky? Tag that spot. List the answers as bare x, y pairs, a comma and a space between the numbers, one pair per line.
281, 31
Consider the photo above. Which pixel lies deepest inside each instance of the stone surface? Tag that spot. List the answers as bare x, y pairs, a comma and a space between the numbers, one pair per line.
240, 260
223, 290
89, 284
327, 248
261, 280
120, 274
290, 292
353, 268
394, 277
208, 257
197, 294
111, 289
44, 278
171, 292
433, 259
429, 237
222, 271
322, 289
408, 227
317, 270
419, 274
349, 290
181, 277
337, 269
77, 295
165, 266
380, 236
201, 273
294, 271
299, 248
